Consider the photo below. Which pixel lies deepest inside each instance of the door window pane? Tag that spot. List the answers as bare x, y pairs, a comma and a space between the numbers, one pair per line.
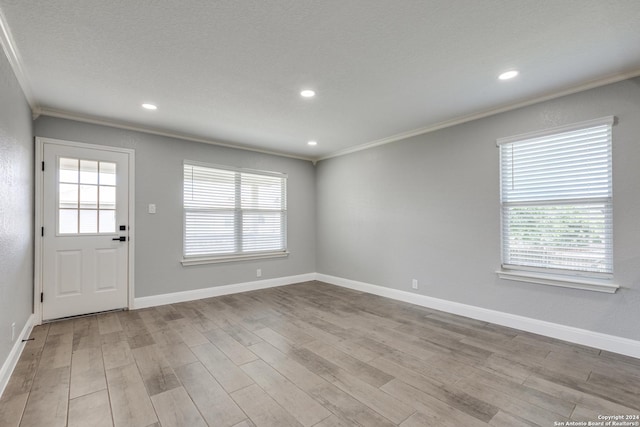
88, 221
68, 196
107, 221
88, 172
107, 197
107, 173
68, 170
68, 221
88, 196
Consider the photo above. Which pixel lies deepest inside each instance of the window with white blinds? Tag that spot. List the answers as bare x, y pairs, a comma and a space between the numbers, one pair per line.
230, 212
556, 196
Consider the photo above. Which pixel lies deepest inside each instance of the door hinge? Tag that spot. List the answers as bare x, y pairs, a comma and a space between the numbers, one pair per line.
42, 231
43, 166
41, 296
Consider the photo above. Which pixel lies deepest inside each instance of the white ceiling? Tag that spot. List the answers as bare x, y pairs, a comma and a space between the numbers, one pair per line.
231, 71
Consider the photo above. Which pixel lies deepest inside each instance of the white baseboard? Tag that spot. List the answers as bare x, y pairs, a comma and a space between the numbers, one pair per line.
217, 291
14, 355
599, 340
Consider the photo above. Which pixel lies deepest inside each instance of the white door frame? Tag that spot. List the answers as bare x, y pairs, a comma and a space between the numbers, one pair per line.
39, 213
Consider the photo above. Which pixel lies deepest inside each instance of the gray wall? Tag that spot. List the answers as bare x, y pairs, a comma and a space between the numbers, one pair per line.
158, 178
428, 208
16, 208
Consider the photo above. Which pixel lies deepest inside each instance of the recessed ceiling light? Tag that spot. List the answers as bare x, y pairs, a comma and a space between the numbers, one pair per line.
312, 143
508, 75
149, 106
307, 93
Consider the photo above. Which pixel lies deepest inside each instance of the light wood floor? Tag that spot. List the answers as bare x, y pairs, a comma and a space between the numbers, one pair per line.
310, 354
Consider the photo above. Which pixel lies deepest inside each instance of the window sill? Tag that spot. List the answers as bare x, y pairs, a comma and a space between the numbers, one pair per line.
231, 258
574, 282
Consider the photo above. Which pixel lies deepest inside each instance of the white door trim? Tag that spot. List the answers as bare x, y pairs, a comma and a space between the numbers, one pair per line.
39, 220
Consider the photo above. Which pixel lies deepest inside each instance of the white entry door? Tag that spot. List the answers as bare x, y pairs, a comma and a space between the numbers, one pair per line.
85, 230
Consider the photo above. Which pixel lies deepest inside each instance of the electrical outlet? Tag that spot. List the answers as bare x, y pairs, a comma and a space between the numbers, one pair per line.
13, 331
414, 283
259, 272
152, 208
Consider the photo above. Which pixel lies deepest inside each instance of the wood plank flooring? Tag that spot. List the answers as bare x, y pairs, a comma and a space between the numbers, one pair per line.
308, 355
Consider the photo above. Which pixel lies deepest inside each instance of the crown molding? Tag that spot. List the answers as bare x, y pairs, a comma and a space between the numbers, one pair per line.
464, 119
15, 60
137, 128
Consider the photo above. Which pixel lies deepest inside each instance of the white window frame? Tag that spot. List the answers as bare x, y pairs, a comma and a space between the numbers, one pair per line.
234, 256
601, 282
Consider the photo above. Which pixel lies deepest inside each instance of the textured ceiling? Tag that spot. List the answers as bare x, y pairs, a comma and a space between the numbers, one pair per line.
231, 71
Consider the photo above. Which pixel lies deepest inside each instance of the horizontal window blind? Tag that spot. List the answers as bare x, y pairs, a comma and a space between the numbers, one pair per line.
556, 195
232, 212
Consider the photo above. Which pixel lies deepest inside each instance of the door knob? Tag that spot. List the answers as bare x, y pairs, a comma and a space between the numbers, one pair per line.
121, 238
